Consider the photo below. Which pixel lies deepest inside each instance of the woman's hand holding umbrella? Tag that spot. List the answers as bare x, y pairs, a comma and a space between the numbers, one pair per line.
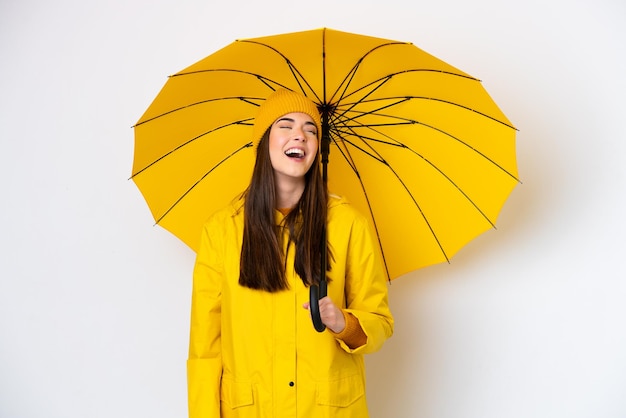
331, 314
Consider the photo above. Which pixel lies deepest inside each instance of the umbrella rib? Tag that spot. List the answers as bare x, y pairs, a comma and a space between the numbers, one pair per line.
405, 121
379, 158
381, 81
345, 153
170, 152
248, 145
435, 99
459, 140
294, 70
347, 80
417, 205
469, 199
269, 82
376, 84
260, 77
402, 145
249, 100
402, 99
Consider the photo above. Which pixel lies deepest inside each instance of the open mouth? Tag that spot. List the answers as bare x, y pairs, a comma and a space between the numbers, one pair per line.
295, 153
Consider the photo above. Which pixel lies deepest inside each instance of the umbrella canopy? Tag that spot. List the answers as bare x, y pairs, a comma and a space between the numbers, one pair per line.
415, 144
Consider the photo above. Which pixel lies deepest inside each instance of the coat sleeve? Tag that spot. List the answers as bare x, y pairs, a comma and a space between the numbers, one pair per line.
366, 289
204, 365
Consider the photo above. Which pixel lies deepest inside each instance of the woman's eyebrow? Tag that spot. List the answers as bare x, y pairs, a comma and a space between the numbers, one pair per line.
293, 121
285, 119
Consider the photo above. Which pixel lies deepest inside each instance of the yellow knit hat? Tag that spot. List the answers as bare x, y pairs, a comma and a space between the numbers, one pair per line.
280, 103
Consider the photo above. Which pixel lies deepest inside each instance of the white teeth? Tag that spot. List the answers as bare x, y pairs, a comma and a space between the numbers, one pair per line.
294, 152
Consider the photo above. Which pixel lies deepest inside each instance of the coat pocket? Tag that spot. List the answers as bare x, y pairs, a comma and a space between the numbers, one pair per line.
236, 394
341, 392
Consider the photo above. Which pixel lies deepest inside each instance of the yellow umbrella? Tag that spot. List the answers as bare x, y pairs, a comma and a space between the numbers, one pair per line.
415, 144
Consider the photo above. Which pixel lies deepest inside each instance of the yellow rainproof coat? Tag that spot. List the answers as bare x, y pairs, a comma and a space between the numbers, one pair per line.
256, 354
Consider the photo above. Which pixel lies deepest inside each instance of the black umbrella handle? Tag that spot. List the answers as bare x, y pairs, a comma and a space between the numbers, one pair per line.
315, 294
318, 292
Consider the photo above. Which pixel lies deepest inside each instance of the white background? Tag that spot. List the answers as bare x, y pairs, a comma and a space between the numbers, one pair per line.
528, 320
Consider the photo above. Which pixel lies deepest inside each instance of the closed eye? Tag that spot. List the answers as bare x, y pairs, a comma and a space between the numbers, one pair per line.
288, 123
311, 128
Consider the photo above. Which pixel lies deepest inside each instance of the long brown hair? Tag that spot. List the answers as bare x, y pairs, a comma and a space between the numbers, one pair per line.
262, 262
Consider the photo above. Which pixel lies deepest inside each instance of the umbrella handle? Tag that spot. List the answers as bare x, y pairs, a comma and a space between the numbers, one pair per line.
315, 294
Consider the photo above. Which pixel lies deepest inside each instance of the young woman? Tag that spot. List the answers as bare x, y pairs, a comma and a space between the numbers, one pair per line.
253, 349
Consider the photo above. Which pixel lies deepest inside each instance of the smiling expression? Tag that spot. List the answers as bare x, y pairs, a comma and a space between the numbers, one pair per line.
293, 145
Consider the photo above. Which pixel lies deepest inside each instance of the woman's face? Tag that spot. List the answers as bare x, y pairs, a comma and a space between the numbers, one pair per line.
293, 146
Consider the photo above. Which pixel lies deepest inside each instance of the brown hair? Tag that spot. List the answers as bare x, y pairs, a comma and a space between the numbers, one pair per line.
262, 262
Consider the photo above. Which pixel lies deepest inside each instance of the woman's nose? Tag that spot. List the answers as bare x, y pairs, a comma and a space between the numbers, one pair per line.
299, 134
